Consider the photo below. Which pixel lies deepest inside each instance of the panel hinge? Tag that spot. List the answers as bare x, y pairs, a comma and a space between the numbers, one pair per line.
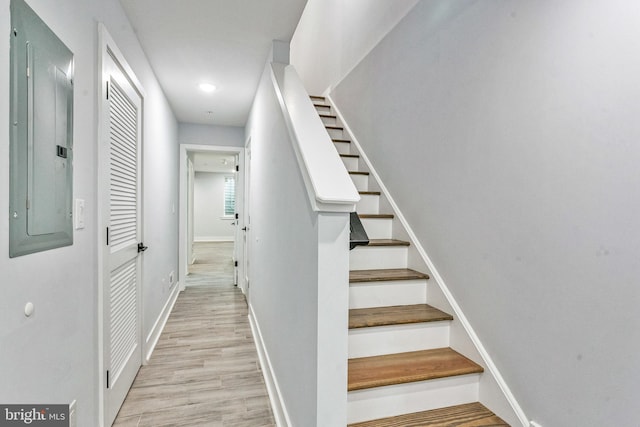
107, 91
108, 379
235, 264
237, 216
237, 168
107, 236
28, 205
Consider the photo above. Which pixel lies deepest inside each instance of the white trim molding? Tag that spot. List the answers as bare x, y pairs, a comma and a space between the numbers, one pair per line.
158, 326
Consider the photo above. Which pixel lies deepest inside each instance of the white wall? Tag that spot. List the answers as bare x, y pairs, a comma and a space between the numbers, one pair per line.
189, 133
208, 208
507, 133
52, 356
334, 35
282, 273
297, 301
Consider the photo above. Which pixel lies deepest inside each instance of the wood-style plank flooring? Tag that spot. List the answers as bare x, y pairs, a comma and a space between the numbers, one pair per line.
213, 264
204, 371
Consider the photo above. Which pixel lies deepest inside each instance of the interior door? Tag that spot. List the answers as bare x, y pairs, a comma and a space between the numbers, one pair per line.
122, 334
236, 222
190, 239
247, 220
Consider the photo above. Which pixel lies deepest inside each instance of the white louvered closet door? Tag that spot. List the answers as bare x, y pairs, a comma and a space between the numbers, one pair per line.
123, 354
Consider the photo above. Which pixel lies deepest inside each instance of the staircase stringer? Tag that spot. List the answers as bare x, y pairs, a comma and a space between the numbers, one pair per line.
494, 391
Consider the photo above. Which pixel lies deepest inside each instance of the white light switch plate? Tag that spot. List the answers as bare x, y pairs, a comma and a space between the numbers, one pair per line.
79, 216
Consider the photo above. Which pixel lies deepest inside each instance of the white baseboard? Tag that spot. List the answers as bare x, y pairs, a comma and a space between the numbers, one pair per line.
161, 321
203, 239
517, 412
275, 397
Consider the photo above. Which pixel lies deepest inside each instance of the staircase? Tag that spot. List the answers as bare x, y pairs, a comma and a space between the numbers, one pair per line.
402, 371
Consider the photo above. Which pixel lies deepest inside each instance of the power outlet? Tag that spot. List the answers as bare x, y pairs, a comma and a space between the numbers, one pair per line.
72, 415
534, 424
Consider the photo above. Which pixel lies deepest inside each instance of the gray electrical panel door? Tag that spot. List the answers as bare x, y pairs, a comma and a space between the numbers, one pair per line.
41, 192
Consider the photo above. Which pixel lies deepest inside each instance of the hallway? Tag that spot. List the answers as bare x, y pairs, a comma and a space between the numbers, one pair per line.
204, 370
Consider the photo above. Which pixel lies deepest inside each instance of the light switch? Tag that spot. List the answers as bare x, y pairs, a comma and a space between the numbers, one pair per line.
79, 217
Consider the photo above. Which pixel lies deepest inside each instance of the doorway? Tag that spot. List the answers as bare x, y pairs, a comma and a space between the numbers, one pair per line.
211, 214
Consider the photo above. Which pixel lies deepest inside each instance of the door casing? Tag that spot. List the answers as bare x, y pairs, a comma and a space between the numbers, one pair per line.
183, 239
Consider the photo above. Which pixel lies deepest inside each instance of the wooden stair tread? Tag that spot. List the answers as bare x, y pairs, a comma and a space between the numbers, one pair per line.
395, 315
334, 127
358, 173
351, 156
369, 193
467, 415
375, 216
317, 97
345, 141
388, 242
383, 275
401, 368
328, 116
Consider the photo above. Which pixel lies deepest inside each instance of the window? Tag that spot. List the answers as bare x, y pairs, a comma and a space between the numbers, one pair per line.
229, 196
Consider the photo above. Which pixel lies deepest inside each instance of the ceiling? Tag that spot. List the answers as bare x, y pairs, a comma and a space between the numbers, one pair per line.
222, 42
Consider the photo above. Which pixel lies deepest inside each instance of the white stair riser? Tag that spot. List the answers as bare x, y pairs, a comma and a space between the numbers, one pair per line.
389, 401
351, 163
376, 341
331, 121
360, 181
365, 258
336, 133
368, 204
342, 147
378, 228
387, 293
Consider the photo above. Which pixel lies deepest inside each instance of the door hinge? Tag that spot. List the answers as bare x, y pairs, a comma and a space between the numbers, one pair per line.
28, 204
237, 168
108, 379
237, 216
107, 236
235, 264
107, 90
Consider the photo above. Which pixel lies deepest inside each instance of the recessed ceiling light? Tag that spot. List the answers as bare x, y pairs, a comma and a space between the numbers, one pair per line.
207, 87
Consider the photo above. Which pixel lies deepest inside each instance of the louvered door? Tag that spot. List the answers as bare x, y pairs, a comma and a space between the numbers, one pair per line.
123, 354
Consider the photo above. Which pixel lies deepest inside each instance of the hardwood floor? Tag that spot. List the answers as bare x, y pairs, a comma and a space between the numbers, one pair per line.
204, 370
469, 415
400, 368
